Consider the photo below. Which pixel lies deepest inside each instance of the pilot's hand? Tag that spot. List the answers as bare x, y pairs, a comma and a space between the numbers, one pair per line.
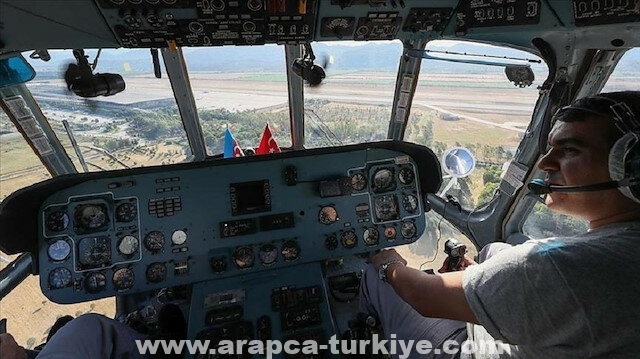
9, 349
385, 256
464, 263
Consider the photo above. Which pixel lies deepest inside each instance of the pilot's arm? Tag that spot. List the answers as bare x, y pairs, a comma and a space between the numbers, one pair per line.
437, 296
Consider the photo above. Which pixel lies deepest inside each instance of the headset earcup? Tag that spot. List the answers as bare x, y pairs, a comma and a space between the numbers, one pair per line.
633, 166
624, 162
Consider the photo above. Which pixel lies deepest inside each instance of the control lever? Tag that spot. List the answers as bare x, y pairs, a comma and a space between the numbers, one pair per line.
362, 328
344, 287
455, 250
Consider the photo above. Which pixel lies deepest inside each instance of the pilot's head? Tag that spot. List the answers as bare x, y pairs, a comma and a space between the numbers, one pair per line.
595, 140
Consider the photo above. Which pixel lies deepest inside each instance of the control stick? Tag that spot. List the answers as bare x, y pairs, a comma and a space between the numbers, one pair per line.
455, 250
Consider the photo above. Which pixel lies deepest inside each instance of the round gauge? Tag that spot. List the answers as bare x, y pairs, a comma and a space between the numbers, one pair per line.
348, 239
154, 241
126, 212
327, 215
156, 272
254, 5
123, 278
57, 221
59, 278
331, 242
290, 250
371, 236
59, 250
386, 208
390, 233
217, 5
178, 237
94, 252
218, 264
358, 182
410, 203
268, 254
128, 245
95, 282
243, 257
406, 175
91, 216
408, 229
383, 180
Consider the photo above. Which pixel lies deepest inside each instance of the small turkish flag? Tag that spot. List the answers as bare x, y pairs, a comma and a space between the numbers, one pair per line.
268, 144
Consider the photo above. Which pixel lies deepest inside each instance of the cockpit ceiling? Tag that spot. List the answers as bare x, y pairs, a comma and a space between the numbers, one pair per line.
41, 24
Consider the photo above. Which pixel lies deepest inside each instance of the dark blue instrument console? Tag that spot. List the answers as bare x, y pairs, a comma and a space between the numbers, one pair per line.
124, 232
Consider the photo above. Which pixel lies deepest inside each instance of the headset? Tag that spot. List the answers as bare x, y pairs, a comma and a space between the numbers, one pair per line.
624, 156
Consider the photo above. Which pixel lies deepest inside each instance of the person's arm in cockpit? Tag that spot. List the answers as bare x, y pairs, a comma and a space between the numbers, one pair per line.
438, 296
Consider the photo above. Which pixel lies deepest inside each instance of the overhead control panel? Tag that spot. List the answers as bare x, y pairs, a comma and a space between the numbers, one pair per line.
494, 13
598, 12
122, 232
85, 24
155, 23
381, 21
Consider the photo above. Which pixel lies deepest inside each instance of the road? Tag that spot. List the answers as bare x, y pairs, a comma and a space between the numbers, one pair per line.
506, 126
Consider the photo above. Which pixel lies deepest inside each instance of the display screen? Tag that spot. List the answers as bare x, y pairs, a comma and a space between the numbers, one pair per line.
250, 197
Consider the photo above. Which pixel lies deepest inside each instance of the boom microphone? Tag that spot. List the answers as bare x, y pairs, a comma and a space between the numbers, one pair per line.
540, 187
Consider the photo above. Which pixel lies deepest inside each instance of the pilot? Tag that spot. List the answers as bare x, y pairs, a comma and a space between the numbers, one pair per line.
562, 297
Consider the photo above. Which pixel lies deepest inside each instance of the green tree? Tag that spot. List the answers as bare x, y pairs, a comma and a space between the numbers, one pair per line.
487, 192
425, 134
491, 175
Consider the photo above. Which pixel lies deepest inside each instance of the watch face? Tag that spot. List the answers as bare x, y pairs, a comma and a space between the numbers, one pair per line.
381, 270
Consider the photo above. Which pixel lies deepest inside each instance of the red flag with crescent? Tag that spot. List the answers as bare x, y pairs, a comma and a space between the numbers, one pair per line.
268, 144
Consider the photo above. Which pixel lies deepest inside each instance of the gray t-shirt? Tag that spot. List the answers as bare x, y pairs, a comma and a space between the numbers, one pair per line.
574, 297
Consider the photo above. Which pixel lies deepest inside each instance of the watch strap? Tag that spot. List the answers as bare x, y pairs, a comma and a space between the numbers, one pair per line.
382, 271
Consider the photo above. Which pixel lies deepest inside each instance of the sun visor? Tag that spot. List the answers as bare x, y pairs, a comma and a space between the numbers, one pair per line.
14, 70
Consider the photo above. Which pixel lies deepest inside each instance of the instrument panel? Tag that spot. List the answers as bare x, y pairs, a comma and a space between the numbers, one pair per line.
277, 305
135, 230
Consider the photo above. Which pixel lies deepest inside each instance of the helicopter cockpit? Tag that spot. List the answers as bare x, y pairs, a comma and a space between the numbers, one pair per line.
271, 245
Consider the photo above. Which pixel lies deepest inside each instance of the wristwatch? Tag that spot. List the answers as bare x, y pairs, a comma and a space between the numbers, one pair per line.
382, 271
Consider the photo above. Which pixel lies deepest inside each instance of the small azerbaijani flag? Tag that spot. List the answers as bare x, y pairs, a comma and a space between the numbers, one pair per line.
268, 144
231, 145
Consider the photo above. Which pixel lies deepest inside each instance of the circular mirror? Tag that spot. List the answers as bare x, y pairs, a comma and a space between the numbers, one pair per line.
458, 162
